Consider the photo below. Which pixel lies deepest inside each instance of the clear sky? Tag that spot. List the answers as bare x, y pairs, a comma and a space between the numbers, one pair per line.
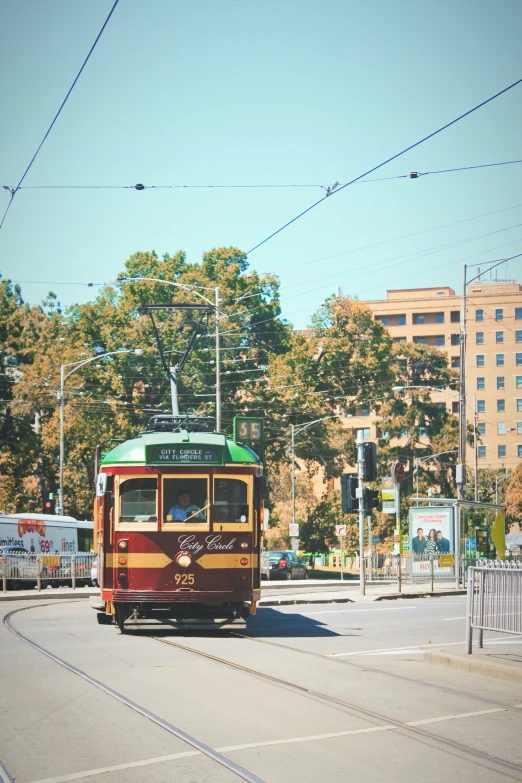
280, 92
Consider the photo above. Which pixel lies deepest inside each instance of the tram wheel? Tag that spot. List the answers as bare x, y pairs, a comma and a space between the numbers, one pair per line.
104, 619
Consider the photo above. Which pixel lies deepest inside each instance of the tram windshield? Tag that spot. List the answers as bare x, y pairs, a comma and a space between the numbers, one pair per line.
230, 500
138, 498
185, 500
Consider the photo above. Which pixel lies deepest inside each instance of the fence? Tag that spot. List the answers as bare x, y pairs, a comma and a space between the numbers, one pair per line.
415, 569
20, 569
494, 600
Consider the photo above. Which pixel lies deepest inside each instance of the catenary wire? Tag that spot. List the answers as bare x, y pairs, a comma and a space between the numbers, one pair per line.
13, 191
384, 163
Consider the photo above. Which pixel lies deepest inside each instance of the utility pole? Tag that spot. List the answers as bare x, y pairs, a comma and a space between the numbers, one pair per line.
293, 474
360, 495
475, 446
62, 402
461, 467
174, 390
218, 362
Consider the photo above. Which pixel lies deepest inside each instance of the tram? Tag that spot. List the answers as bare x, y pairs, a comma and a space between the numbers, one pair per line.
178, 520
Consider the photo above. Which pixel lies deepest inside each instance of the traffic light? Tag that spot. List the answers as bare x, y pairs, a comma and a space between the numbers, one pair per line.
349, 503
49, 504
371, 498
370, 461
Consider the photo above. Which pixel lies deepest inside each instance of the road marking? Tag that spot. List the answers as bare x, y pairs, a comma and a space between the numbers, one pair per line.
402, 651
353, 611
420, 647
265, 744
454, 618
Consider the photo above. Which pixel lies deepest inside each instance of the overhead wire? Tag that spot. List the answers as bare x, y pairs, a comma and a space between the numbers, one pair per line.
384, 163
14, 191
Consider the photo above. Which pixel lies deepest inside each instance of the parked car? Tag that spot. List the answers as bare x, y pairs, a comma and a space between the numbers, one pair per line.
17, 565
286, 565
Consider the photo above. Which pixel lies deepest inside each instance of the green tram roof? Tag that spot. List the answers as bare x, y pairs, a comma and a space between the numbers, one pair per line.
133, 452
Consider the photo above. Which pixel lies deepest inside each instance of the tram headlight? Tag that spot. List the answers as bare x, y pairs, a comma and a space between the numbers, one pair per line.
244, 545
183, 559
123, 544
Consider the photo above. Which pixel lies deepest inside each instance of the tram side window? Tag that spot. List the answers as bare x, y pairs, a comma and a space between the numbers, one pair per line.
230, 500
138, 498
185, 500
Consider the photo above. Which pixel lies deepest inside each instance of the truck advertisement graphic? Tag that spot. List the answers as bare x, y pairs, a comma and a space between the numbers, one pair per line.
39, 536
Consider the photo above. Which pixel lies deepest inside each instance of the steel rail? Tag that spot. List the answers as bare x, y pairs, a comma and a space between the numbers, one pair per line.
212, 754
373, 670
367, 713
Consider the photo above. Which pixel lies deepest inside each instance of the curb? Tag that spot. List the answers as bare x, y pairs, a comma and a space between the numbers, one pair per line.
394, 596
45, 595
476, 665
295, 601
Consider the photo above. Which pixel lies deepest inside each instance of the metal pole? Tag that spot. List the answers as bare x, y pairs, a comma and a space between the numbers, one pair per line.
293, 474
360, 494
218, 366
174, 390
461, 467
469, 611
62, 384
475, 447
431, 571
342, 558
496, 490
417, 460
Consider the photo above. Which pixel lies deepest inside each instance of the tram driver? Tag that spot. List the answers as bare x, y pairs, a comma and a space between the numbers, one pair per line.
184, 510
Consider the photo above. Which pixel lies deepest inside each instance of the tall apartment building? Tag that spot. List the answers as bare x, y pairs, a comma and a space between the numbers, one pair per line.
431, 316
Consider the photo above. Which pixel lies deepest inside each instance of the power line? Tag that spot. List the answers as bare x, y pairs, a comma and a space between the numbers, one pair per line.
13, 191
380, 165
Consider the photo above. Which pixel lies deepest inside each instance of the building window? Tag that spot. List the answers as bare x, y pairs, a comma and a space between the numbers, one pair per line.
482, 452
519, 450
501, 450
480, 360
499, 337
455, 361
501, 406
454, 407
383, 434
518, 335
479, 315
455, 339
419, 340
441, 406
519, 359
366, 432
518, 313
500, 359
481, 428
404, 434
519, 427
418, 318
423, 432
399, 339
455, 316
499, 314
481, 406
383, 319
401, 320
519, 381
479, 338
500, 381
439, 340
439, 318
519, 405
481, 383
501, 428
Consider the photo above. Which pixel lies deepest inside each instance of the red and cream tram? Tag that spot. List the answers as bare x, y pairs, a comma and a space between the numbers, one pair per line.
178, 526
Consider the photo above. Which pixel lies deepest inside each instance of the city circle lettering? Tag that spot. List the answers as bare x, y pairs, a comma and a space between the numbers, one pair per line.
212, 542
200, 454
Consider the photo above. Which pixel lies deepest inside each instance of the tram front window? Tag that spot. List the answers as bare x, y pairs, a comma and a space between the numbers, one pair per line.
230, 500
138, 500
185, 500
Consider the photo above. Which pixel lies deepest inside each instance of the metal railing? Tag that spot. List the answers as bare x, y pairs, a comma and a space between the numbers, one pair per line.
19, 570
494, 600
415, 569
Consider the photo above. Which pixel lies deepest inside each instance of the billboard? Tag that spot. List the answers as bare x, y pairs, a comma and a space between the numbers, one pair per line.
38, 535
431, 532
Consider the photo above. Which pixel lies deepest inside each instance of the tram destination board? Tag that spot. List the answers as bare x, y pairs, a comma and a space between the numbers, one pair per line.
183, 455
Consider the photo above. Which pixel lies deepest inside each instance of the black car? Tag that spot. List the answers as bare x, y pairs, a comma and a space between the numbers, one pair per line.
286, 565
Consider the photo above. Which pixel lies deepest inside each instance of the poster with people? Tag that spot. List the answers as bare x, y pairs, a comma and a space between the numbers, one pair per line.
431, 533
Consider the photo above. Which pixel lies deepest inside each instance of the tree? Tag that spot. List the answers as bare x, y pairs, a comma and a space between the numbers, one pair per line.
317, 532
514, 496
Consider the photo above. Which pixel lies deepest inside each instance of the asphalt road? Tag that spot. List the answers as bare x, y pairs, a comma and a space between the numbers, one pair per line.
332, 692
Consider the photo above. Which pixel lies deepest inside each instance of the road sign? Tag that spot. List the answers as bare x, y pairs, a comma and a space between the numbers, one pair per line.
388, 507
397, 472
295, 544
375, 539
293, 530
446, 561
340, 530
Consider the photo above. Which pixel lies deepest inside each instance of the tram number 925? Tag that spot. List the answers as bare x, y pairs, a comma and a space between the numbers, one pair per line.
184, 579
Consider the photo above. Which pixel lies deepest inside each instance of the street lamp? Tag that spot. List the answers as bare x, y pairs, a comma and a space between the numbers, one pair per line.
215, 305
497, 482
418, 461
61, 398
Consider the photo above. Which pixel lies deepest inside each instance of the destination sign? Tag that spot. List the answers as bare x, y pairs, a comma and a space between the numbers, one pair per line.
189, 454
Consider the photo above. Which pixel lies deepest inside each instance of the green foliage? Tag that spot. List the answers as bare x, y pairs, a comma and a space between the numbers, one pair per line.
317, 532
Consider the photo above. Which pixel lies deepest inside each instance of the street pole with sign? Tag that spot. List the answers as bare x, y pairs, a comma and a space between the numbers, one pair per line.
340, 531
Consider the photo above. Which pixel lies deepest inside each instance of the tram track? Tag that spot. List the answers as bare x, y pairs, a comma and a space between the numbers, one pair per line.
354, 708
218, 758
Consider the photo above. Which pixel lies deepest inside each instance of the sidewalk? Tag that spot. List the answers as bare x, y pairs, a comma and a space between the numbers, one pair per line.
500, 658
